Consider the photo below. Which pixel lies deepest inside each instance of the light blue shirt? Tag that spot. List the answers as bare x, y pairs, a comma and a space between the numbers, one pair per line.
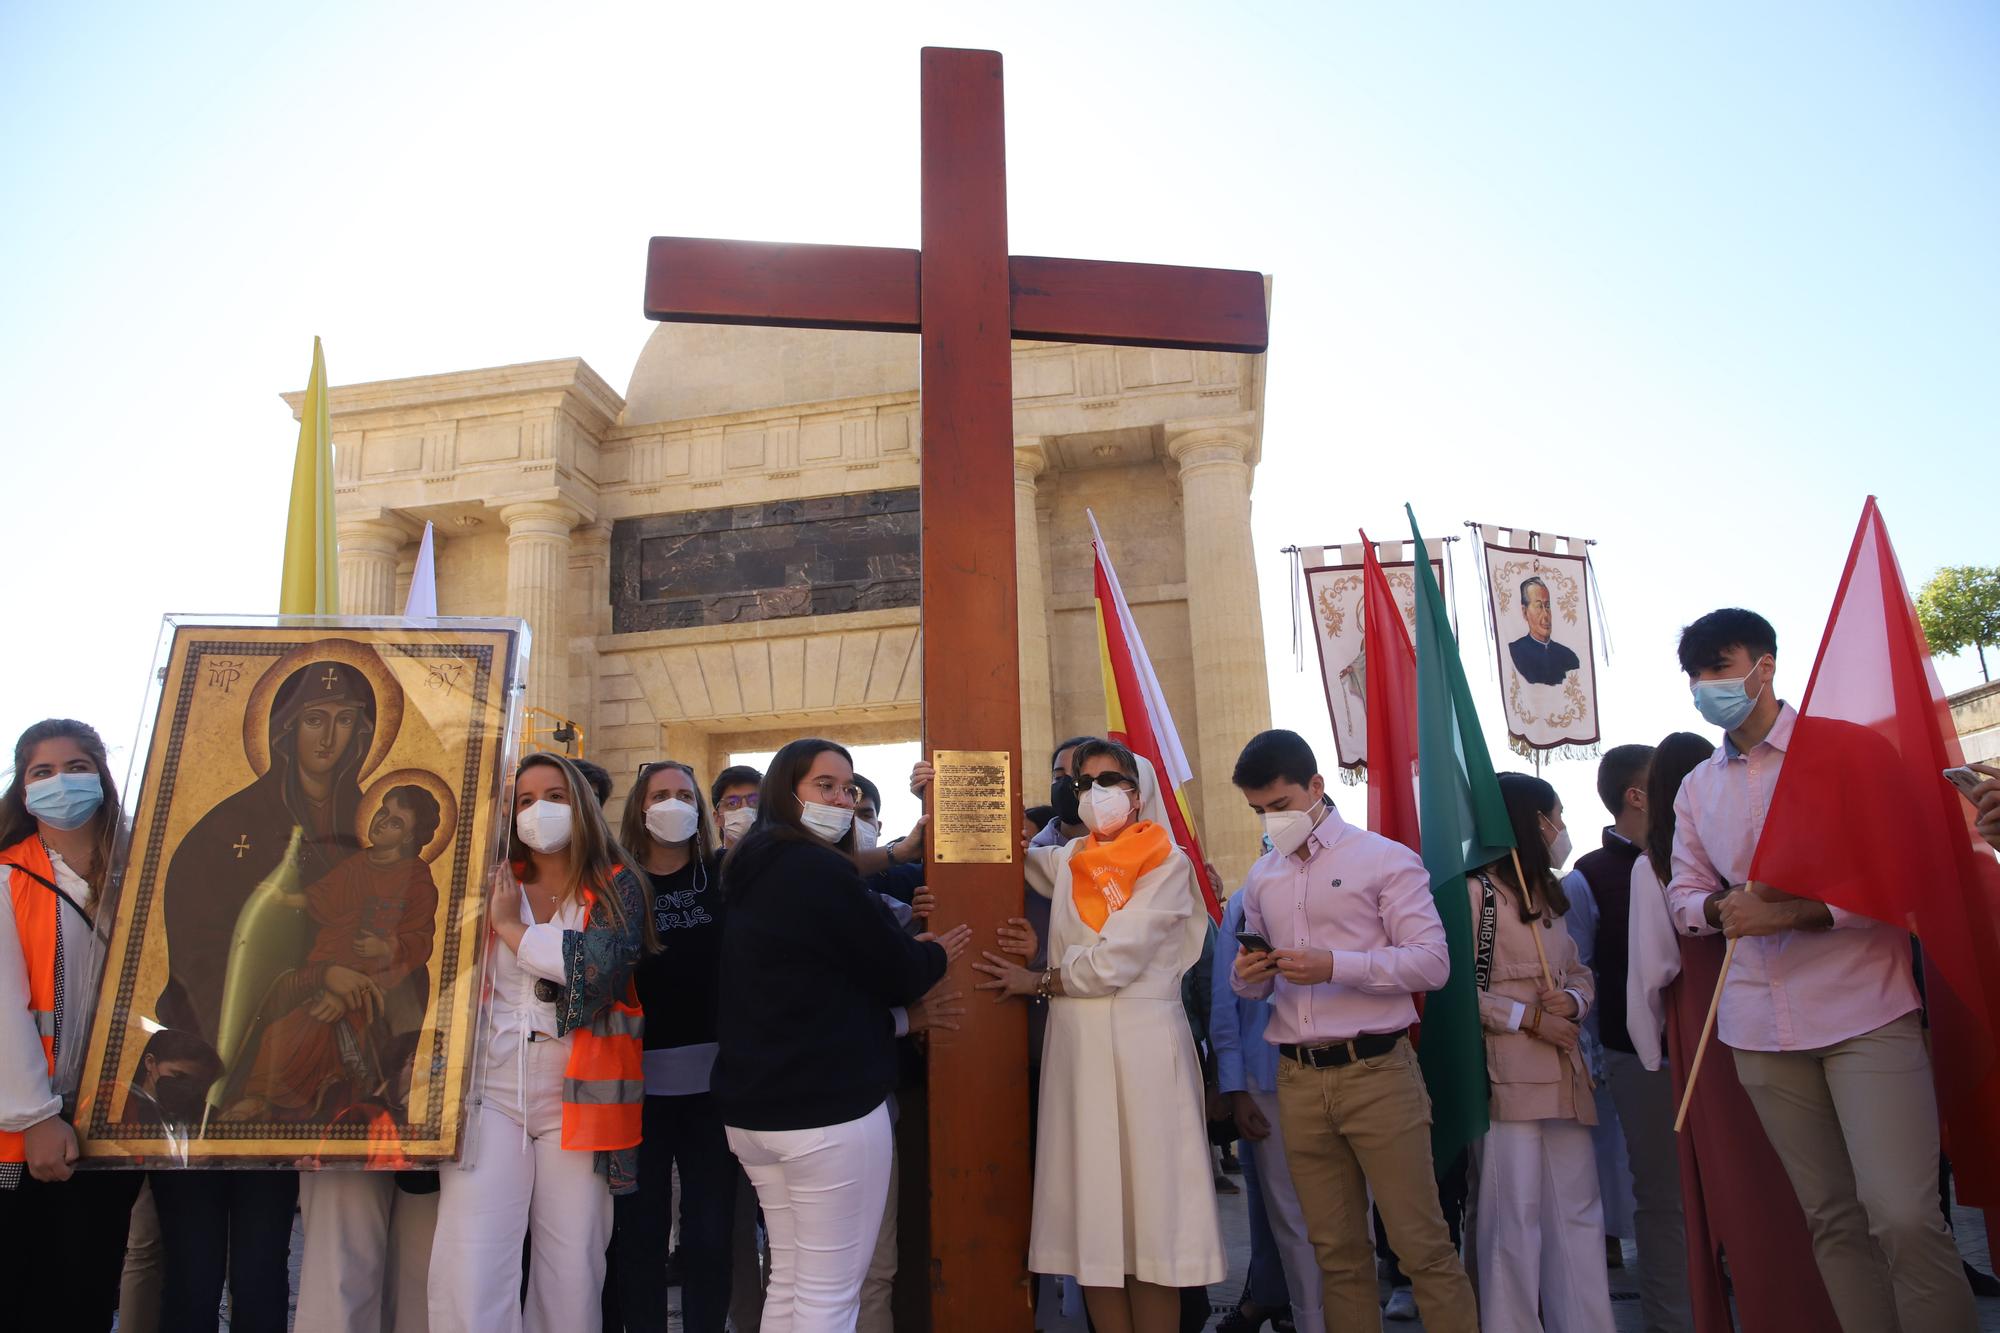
1244, 1061
1582, 922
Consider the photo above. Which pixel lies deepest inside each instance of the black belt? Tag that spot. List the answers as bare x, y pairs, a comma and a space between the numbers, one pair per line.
1334, 1054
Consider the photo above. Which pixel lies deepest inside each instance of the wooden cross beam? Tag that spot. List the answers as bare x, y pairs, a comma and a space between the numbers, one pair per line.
967, 299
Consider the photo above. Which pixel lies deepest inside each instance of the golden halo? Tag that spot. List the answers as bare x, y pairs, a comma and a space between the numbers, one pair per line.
378, 791
388, 700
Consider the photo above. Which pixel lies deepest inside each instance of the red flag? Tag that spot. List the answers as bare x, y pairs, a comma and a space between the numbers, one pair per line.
1390, 685
1863, 820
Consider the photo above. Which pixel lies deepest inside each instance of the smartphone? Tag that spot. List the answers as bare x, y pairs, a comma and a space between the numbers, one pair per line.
1965, 780
1252, 942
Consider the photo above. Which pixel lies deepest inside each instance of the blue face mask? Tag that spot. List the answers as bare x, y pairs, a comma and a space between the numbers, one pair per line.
1726, 703
65, 801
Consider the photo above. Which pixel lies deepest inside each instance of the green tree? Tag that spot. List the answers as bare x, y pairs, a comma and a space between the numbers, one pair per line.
1960, 608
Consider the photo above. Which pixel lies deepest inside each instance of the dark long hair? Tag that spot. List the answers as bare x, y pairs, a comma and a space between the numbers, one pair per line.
778, 802
594, 855
632, 828
15, 821
1673, 759
1528, 799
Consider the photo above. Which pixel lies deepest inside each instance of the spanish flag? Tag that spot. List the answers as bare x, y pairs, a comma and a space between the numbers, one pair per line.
1135, 708
311, 582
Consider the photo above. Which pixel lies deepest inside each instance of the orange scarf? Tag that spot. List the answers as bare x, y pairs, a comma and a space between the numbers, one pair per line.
1104, 875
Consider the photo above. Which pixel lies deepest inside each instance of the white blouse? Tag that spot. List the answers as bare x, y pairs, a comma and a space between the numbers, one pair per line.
27, 1095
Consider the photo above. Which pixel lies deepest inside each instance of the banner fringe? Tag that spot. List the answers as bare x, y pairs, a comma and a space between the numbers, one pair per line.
1527, 751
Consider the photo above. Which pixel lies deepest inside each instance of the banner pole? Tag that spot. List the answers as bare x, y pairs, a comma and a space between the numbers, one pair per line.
1707, 1027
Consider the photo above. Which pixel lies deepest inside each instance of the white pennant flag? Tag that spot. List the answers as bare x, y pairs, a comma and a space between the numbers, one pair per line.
423, 601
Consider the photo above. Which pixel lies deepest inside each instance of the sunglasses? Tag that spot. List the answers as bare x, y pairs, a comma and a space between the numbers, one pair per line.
1119, 780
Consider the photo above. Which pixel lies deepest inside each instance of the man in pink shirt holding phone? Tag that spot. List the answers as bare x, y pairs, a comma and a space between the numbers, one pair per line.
1356, 935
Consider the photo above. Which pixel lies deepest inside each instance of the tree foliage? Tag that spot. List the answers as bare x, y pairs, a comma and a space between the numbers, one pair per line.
1960, 608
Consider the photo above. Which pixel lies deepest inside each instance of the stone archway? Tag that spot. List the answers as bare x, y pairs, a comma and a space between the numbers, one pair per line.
702, 693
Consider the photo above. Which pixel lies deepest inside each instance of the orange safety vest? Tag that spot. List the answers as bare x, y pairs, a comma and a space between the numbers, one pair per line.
35, 909
604, 1081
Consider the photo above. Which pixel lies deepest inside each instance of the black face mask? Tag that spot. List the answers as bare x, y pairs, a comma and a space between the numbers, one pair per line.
1062, 795
179, 1096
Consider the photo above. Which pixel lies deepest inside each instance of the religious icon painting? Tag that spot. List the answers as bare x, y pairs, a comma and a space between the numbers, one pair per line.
293, 974
1538, 604
1332, 577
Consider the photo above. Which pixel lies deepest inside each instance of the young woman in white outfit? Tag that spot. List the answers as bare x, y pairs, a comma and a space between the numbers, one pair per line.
563, 1022
1124, 1196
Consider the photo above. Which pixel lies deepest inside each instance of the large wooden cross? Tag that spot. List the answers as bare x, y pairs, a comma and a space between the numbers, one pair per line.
968, 299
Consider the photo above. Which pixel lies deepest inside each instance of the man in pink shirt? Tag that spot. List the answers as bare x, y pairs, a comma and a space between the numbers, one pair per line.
1354, 933
1820, 1006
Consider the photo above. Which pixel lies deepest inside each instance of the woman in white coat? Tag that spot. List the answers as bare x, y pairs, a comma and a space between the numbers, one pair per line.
1124, 1195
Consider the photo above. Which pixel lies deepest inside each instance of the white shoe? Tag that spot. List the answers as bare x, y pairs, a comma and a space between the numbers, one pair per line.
1402, 1305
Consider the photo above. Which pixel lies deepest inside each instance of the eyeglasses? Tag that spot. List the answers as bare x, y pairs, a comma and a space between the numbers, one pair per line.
1119, 780
748, 802
828, 788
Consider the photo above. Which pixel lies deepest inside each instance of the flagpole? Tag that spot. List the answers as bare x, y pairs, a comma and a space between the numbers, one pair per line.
1548, 982
1707, 1027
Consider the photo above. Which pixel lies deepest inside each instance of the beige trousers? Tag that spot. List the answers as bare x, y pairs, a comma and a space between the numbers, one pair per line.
139, 1288
367, 1259
1361, 1127
1856, 1126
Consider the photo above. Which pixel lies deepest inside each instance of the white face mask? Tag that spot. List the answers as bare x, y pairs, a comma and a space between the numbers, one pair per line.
672, 821
737, 822
1559, 848
1287, 829
544, 826
828, 821
867, 836
1105, 810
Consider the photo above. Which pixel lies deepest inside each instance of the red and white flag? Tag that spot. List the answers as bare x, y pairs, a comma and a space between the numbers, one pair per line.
1863, 819
1135, 707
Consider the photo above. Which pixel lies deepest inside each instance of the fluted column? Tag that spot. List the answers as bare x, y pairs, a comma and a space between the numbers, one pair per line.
537, 581
368, 551
1037, 703
1225, 627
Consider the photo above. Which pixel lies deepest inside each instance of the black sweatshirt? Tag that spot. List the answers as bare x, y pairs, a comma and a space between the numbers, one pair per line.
677, 986
811, 965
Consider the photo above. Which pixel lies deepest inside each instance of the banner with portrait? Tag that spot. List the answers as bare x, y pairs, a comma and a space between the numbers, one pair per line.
1538, 598
294, 966
1332, 577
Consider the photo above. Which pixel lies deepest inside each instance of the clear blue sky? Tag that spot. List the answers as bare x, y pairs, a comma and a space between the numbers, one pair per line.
1692, 280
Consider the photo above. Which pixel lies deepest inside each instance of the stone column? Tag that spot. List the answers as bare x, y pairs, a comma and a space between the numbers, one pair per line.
1037, 703
537, 587
369, 548
1225, 628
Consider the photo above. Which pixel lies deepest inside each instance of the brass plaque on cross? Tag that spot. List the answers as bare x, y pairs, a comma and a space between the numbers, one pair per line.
974, 819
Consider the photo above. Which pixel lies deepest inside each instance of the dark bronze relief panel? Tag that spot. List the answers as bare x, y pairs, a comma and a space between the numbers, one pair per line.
766, 562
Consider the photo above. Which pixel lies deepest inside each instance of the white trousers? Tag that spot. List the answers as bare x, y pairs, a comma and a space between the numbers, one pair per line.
878, 1288
1288, 1220
513, 1186
367, 1258
1541, 1230
823, 1191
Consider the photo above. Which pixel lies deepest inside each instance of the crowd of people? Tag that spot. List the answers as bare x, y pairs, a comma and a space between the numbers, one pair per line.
696, 1025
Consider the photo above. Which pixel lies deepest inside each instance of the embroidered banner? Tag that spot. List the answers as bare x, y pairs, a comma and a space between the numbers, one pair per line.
1538, 608
1333, 595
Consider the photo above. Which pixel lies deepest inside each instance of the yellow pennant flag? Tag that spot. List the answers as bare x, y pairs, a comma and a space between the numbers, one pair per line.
311, 583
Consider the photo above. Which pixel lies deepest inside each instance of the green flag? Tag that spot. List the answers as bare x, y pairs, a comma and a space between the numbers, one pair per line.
1464, 826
